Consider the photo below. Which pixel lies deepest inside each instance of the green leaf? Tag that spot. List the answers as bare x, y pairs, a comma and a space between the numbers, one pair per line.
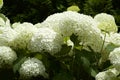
64, 50
73, 8
91, 56
87, 67
93, 72
74, 39
110, 47
18, 63
85, 60
38, 56
85, 63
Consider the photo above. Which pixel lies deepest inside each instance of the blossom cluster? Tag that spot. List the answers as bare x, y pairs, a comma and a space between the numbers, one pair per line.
49, 36
111, 47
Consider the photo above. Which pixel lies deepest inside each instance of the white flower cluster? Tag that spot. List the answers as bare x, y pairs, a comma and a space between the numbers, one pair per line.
7, 36
45, 39
114, 38
32, 67
106, 22
62, 23
110, 74
24, 33
49, 36
88, 33
115, 58
83, 26
111, 50
111, 47
7, 56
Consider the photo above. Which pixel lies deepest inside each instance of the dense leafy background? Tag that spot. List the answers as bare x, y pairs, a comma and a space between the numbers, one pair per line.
37, 10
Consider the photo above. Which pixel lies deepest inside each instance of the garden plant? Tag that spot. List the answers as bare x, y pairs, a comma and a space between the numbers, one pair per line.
66, 46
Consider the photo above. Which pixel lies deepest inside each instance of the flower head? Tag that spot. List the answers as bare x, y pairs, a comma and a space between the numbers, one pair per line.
32, 67
115, 38
115, 58
106, 22
62, 23
7, 56
88, 33
24, 33
69, 22
45, 39
7, 36
110, 74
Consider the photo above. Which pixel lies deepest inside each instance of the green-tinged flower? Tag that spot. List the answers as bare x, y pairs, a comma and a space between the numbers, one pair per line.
115, 58
73, 8
32, 67
7, 56
1, 3
110, 74
24, 33
45, 39
106, 22
4, 21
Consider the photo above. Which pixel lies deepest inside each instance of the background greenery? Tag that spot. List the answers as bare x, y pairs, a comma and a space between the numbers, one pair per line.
37, 10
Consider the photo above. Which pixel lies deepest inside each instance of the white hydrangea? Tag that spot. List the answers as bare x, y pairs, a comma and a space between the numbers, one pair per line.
111, 39
37, 25
7, 56
7, 36
106, 22
115, 38
115, 58
110, 74
45, 39
85, 27
88, 33
32, 67
4, 21
62, 23
24, 33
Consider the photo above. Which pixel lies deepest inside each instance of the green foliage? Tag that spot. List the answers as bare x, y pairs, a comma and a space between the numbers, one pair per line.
27, 10
93, 7
63, 76
37, 10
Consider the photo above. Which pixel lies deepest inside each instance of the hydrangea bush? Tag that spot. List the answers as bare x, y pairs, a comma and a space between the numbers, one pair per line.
65, 46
